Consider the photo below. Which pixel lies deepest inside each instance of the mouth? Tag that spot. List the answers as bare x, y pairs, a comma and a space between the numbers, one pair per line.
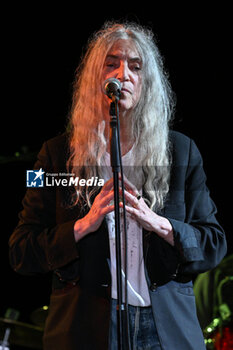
126, 90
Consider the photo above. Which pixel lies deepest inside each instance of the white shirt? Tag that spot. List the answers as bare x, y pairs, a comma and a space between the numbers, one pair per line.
138, 294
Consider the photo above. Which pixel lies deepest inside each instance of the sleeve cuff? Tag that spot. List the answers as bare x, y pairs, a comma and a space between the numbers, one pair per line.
186, 241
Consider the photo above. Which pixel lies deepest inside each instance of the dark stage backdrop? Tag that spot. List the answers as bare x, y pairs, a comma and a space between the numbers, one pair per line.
41, 48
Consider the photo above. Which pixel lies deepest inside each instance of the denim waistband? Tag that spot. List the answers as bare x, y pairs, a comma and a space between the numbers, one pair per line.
143, 333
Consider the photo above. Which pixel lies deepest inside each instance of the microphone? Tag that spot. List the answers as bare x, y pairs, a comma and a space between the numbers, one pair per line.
112, 88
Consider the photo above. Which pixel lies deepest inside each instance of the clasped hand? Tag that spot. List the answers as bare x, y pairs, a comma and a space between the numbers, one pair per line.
135, 206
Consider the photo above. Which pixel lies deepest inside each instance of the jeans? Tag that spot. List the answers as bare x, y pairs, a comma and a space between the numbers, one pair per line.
143, 333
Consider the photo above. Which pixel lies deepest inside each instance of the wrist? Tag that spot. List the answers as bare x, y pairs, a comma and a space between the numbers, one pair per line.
165, 230
80, 229
169, 237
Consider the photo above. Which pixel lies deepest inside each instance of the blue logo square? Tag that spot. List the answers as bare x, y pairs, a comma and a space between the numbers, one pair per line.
35, 178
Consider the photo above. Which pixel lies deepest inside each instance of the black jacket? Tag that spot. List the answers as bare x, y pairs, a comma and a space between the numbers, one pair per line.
44, 241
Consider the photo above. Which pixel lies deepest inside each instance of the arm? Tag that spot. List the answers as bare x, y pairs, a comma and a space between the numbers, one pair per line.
40, 244
200, 240
48, 234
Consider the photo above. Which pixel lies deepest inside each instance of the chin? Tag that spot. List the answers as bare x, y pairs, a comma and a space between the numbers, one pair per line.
125, 106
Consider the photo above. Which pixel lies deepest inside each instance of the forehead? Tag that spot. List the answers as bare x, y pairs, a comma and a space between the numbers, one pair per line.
123, 48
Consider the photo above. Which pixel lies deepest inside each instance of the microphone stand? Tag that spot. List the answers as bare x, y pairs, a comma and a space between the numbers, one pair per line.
116, 167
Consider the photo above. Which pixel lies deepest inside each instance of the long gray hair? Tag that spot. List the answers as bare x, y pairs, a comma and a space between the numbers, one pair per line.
151, 116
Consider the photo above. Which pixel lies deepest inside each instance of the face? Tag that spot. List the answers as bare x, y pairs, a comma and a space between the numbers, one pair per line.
123, 63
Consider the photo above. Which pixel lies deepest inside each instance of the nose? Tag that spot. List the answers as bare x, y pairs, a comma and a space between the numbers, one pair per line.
123, 72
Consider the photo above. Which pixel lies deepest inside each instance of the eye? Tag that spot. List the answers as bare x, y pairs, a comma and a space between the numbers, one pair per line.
110, 65
135, 67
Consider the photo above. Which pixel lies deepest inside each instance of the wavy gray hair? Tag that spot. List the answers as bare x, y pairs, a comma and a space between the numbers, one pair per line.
151, 115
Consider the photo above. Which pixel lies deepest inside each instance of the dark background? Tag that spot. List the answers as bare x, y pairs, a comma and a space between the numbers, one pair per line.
41, 48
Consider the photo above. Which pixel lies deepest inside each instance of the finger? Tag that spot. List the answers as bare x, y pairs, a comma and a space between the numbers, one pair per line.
106, 198
130, 187
107, 186
131, 210
131, 199
108, 209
